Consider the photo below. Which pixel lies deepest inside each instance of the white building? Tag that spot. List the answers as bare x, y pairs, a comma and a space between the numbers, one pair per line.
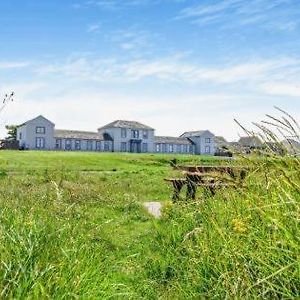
118, 136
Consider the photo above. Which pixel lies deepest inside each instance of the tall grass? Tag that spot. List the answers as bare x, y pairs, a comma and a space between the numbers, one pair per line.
242, 243
73, 226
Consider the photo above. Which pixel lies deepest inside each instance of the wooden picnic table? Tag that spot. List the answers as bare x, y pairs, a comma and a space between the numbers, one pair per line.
233, 171
211, 177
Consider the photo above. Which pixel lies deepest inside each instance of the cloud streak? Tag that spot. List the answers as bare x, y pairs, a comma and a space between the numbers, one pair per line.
174, 69
14, 64
273, 15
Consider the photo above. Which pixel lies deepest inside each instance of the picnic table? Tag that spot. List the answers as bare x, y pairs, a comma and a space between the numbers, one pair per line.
209, 177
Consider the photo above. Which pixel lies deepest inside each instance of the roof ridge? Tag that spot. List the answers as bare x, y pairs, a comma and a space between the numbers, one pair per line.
76, 130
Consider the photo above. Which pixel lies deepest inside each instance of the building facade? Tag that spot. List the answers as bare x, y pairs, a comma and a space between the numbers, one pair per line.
118, 136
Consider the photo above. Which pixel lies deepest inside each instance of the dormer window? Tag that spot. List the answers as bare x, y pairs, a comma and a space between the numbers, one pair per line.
40, 130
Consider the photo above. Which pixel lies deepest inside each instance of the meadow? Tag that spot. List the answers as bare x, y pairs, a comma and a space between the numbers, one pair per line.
72, 225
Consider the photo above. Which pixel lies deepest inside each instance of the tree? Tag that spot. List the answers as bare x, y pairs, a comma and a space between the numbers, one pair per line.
11, 132
7, 98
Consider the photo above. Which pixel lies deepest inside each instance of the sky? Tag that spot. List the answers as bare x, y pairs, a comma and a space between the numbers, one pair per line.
175, 65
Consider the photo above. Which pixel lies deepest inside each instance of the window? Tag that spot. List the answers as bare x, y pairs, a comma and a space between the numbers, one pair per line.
207, 140
58, 143
77, 145
40, 143
157, 147
145, 147
185, 148
164, 148
106, 146
123, 133
20, 135
98, 146
135, 134
191, 149
123, 146
68, 144
40, 129
179, 148
171, 148
145, 134
89, 145
207, 149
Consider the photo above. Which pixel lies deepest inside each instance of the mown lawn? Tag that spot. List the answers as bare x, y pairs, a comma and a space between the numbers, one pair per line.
72, 225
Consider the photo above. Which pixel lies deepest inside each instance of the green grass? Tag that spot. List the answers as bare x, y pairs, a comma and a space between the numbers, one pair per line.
72, 225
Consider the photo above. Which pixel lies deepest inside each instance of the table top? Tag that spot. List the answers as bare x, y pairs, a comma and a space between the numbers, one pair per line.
205, 168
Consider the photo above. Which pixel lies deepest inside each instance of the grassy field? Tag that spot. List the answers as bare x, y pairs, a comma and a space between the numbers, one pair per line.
72, 225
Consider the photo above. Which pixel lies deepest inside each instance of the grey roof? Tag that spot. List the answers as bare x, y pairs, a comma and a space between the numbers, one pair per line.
82, 135
172, 140
126, 124
250, 141
195, 133
220, 141
40, 116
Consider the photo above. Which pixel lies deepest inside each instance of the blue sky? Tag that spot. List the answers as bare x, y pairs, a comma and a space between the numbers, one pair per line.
175, 65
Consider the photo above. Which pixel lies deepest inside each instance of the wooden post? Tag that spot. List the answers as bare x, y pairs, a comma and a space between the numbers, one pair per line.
177, 185
191, 188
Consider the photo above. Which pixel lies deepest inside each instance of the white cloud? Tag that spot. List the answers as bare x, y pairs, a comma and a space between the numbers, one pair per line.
85, 92
94, 28
282, 89
280, 15
13, 64
173, 68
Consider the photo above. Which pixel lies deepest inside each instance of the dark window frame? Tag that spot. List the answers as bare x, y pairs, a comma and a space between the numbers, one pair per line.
98, 145
58, 142
68, 144
40, 127
77, 143
135, 134
40, 139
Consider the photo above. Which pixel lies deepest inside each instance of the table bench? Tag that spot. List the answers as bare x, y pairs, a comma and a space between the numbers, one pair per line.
210, 177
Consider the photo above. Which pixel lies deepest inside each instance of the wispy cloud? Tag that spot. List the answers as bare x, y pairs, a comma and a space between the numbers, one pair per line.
94, 28
13, 64
282, 89
115, 5
257, 73
273, 15
134, 40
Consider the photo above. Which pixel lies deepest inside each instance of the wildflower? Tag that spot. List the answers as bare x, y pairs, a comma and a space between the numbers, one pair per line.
239, 226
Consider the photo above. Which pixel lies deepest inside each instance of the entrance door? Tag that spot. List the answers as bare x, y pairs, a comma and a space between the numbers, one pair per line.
135, 146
